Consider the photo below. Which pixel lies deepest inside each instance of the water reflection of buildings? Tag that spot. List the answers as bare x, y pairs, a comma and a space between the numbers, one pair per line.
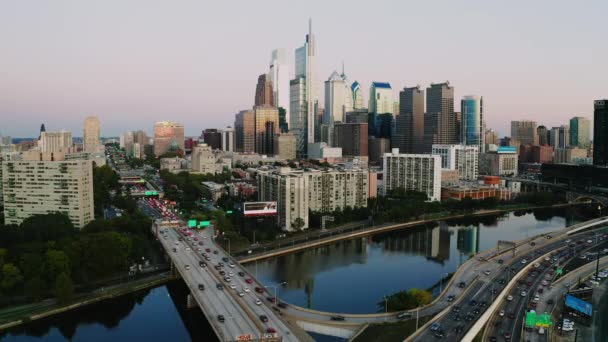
468, 240
431, 242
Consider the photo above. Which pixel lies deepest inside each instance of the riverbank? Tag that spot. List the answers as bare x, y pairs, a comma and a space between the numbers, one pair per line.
15, 316
321, 238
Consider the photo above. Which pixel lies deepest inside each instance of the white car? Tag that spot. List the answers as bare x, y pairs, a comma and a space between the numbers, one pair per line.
188, 249
258, 302
231, 274
246, 289
523, 261
594, 282
509, 298
524, 293
536, 298
187, 267
232, 286
241, 294
486, 272
501, 313
231, 265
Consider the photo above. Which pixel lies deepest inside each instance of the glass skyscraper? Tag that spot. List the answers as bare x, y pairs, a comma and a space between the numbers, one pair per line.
471, 132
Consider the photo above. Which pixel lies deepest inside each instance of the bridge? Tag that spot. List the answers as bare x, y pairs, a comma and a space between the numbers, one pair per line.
573, 195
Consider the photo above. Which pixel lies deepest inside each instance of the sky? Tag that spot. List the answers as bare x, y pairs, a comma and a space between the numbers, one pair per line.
134, 62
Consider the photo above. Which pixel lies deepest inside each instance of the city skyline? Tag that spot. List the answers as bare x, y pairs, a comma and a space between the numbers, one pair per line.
60, 74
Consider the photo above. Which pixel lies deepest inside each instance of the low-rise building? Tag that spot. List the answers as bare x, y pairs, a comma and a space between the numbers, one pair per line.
322, 150
570, 155
173, 165
474, 191
215, 190
502, 162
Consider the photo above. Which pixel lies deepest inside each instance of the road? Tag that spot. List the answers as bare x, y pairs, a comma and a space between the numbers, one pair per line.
475, 302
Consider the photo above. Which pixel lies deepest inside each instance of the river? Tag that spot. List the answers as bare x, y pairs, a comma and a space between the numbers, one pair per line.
349, 276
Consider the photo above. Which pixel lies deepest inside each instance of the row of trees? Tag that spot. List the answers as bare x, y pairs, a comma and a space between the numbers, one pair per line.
405, 300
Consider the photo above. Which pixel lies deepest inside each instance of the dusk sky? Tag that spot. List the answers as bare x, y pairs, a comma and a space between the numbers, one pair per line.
132, 63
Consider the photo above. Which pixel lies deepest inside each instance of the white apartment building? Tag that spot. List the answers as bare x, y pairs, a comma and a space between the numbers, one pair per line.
55, 141
35, 187
463, 158
298, 191
418, 172
203, 159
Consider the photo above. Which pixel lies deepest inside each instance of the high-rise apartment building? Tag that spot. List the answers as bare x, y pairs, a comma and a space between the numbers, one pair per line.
440, 123
462, 158
559, 137
303, 94
244, 131
417, 172
525, 132
279, 76
91, 135
35, 187
338, 98
168, 136
266, 128
600, 132
55, 141
203, 160
352, 138
543, 135
580, 128
357, 95
228, 139
409, 131
264, 94
472, 129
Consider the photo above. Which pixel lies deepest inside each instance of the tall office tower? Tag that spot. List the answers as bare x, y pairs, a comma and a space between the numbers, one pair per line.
55, 141
418, 172
303, 94
37, 187
357, 95
213, 138
203, 160
525, 132
244, 131
580, 127
491, 137
380, 102
600, 133
264, 94
559, 137
410, 122
279, 76
228, 139
168, 136
439, 120
472, 122
543, 135
352, 138
338, 99
92, 134
266, 129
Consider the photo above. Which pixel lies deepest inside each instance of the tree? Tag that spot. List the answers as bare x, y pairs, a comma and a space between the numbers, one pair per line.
64, 288
57, 262
34, 288
11, 277
297, 224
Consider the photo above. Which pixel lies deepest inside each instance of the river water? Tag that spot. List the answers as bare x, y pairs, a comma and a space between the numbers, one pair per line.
349, 276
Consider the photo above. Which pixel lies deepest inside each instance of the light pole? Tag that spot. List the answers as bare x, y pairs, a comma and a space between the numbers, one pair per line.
385, 307
275, 289
441, 282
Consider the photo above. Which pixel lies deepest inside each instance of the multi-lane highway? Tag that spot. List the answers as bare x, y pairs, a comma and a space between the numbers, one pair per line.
246, 313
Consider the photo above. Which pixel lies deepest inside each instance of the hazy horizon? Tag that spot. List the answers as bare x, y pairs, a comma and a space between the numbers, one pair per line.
137, 62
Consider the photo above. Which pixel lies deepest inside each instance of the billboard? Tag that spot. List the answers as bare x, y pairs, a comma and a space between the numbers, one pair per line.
259, 208
578, 305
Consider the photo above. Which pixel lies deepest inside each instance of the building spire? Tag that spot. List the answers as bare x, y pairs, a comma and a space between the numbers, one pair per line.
343, 68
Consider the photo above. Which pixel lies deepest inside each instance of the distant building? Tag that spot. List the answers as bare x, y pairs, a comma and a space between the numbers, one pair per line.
215, 190
380, 102
559, 137
264, 94
285, 146
525, 132
377, 147
418, 172
92, 135
543, 135
227, 139
409, 130
535, 154
440, 121
266, 128
472, 129
357, 116
463, 158
173, 164
203, 159
503, 162
56, 141
35, 187
168, 137
600, 133
279, 76
213, 138
322, 150
580, 128
352, 138
569, 155
357, 93
338, 98
244, 131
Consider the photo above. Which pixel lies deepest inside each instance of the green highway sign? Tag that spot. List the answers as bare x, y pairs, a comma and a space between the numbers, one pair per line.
531, 319
204, 223
229, 212
151, 193
191, 223
544, 320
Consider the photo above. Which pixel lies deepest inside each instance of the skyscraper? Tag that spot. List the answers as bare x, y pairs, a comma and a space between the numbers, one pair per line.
228, 139
91, 136
559, 137
471, 131
580, 127
266, 129
410, 122
600, 133
357, 95
279, 76
264, 95
380, 101
543, 135
303, 94
338, 98
168, 136
525, 132
440, 124
244, 131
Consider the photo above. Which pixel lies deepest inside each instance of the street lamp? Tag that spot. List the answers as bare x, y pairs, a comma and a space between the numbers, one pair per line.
385, 306
441, 282
275, 289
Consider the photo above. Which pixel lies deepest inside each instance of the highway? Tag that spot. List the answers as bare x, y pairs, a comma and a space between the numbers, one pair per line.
242, 314
488, 286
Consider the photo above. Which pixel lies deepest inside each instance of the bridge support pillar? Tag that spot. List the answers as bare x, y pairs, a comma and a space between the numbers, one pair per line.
190, 301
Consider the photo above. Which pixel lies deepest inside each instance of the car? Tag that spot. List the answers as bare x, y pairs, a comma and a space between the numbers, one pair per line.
208, 250
473, 302
231, 265
524, 293
174, 249
540, 290
198, 249
501, 281
241, 294
201, 287
439, 333
550, 302
246, 289
533, 304
523, 261
483, 304
231, 274
271, 330
221, 264
456, 308
221, 318
284, 306
462, 285
456, 317
264, 318
241, 274
225, 259
500, 261
271, 299
219, 286
187, 267
594, 282
451, 298
468, 317
200, 243
486, 272
222, 273
529, 283
337, 318
476, 311
227, 279
501, 313
258, 302
435, 326
493, 339
215, 251
509, 298
507, 335
249, 281
232, 286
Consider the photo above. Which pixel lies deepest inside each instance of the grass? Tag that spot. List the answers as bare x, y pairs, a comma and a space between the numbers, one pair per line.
390, 332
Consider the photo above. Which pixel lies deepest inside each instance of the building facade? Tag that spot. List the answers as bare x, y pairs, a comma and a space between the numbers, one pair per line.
279, 76
168, 136
600, 133
525, 132
418, 172
357, 95
244, 131
34, 187
227, 139
338, 98
409, 130
203, 159
580, 128
91, 135
462, 158
213, 138
352, 138
440, 123
264, 94
559, 137
472, 128
503, 162
266, 129
285, 146
55, 141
